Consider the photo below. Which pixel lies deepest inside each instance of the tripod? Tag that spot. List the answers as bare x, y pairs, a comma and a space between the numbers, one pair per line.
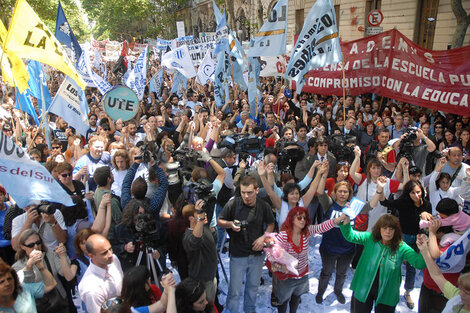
150, 261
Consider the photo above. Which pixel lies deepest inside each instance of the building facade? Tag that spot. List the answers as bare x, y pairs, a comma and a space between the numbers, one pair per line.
430, 23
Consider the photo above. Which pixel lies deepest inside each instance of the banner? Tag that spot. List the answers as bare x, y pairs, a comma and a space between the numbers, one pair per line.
30, 38
90, 75
206, 70
64, 33
26, 180
453, 259
138, 76
317, 45
139, 47
121, 103
99, 45
13, 69
254, 86
162, 44
271, 38
69, 104
391, 65
274, 66
113, 50
180, 60
155, 84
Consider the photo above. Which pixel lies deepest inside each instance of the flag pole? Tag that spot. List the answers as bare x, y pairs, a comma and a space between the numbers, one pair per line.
344, 92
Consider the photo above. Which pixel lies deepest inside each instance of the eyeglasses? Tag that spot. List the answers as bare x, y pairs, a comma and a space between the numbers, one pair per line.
65, 175
32, 244
438, 127
110, 302
56, 147
301, 217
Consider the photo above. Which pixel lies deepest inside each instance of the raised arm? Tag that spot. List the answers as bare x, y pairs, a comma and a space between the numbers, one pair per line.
277, 202
355, 166
68, 270
322, 173
434, 271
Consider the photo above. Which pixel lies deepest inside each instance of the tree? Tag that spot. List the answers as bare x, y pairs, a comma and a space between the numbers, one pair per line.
463, 20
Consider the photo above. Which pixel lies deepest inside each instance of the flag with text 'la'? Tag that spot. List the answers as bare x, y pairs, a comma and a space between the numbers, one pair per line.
64, 33
38, 85
271, 38
206, 70
138, 76
317, 45
70, 104
180, 60
13, 69
27, 181
23, 103
28, 37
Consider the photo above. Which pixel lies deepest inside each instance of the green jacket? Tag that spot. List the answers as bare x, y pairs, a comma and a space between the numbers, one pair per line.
376, 254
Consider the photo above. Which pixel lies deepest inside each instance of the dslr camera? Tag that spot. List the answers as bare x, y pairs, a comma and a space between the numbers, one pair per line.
47, 207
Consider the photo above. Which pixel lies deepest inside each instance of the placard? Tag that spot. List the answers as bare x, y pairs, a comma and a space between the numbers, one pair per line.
121, 103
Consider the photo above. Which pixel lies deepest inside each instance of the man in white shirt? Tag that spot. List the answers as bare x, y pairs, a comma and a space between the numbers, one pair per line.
103, 278
454, 164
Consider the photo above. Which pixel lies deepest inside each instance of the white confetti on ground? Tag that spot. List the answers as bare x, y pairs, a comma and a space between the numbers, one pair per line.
308, 304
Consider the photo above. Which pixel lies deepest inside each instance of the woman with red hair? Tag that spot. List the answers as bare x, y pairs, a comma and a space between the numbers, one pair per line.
294, 237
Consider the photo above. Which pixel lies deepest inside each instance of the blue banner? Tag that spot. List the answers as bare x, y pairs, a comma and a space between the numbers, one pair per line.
138, 76
36, 82
254, 86
64, 33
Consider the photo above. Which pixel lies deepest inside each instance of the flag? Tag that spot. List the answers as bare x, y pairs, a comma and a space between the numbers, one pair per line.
271, 38
121, 64
26, 180
38, 85
23, 103
179, 81
89, 75
217, 13
179, 59
254, 86
318, 43
222, 36
206, 70
64, 33
70, 103
138, 76
155, 84
28, 37
13, 69
453, 259
221, 84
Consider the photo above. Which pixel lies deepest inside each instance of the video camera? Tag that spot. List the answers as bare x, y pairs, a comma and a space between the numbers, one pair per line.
407, 146
289, 154
243, 143
202, 189
342, 146
147, 153
146, 228
47, 207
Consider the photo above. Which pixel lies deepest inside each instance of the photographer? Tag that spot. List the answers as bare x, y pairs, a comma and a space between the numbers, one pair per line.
381, 150
199, 242
415, 146
47, 221
137, 228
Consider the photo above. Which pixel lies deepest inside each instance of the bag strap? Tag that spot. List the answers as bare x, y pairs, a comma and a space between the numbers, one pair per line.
455, 174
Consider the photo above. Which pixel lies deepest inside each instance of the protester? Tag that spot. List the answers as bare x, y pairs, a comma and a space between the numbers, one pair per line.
191, 297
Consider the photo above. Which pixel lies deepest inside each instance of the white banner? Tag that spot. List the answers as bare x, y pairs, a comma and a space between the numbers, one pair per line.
179, 59
453, 259
138, 76
206, 71
273, 66
113, 50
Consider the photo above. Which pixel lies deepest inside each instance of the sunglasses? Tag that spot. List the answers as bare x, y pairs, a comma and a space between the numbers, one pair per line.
56, 147
343, 163
65, 175
301, 217
32, 244
110, 302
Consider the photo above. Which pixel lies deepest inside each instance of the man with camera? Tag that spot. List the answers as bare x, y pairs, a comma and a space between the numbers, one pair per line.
415, 146
245, 218
381, 150
200, 246
44, 219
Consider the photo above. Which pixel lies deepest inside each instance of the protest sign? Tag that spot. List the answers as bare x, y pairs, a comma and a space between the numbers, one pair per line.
26, 180
391, 65
121, 103
273, 66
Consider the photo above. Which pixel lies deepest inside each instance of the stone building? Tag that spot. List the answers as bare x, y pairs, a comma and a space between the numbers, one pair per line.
430, 23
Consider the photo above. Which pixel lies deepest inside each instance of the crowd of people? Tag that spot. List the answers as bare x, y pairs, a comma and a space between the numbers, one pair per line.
185, 181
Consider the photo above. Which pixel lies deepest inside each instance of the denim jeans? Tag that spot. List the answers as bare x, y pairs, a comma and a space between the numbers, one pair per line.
410, 274
250, 267
220, 230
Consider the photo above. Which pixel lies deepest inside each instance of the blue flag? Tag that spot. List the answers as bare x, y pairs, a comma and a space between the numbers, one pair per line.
36, 82
271, 38
217, 13
179, 80
221, 84
254, 86
24, 104
318, 43
64, 33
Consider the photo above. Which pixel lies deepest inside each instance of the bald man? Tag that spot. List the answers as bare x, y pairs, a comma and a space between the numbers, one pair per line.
455, 166
103, 278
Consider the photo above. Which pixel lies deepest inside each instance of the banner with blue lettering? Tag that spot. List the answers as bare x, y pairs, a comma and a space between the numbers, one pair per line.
317, 45
453, 259
179, 59
138, 76
84, 64
64, 33
221, 84
26, 180
155, 84
70, 103
271, 38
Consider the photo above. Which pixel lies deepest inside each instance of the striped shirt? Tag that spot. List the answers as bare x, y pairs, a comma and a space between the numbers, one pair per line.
301, 253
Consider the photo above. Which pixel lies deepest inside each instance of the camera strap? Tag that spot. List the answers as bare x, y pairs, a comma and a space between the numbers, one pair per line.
455, 174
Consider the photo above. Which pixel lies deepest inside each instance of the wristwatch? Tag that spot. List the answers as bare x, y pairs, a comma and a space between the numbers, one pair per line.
53, 224
199, 219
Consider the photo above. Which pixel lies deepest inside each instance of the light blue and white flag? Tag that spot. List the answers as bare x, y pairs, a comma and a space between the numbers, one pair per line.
271, 38
162, 44
222, 31
155, 84
179, 59
217, 13
453, 259
254, 93
221, 84
138, 76
317, 45
179, 82
85, 71
26, 180
23, 103
70, 104
37, 81
206, 70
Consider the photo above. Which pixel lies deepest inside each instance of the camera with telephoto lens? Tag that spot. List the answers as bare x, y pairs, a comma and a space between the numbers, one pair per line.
47, 207
146, 154
243, 229
407, 146
202, 190
145, 224
342, 146
187, 159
